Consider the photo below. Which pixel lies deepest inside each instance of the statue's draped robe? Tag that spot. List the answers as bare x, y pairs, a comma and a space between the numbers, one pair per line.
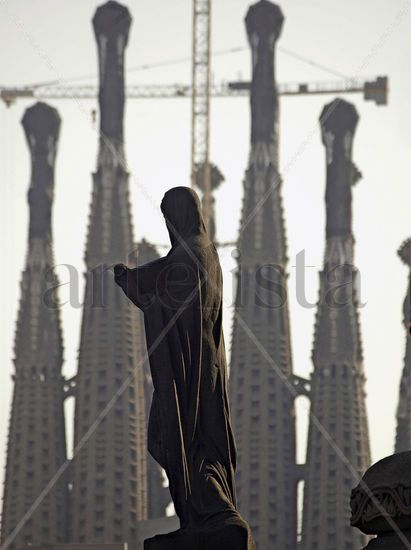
189, 431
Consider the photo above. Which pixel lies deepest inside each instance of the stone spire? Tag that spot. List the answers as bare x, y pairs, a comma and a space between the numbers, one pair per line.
403, 436
337, 384
262, 405
110, 228
36, 444
110, 482
262, 213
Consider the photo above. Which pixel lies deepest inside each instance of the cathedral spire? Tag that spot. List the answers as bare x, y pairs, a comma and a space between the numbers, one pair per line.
110, 478
262, 405
262, 213
337, 383
110, 238
403, 436
41, 124
36, 445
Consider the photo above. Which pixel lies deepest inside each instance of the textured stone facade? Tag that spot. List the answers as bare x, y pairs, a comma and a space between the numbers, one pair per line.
109, 492
36, 448
338, 445
403, 435
261, 365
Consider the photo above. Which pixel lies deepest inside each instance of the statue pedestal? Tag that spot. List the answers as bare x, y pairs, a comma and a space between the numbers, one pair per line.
234, 536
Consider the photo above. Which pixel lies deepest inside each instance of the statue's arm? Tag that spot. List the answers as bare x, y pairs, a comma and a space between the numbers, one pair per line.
139, 284
126, 279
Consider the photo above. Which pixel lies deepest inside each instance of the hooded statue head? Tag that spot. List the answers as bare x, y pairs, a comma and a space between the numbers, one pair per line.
181, 208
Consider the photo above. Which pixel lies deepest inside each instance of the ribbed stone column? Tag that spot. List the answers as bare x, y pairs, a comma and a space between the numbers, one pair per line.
36, 445
338, 452
403, 435
110, 478
262, 405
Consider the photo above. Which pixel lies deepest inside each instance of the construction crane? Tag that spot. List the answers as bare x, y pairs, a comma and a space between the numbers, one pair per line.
200, 116
204, 175
372, 89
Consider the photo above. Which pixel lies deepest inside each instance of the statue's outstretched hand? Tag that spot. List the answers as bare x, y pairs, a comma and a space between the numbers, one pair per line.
119, 269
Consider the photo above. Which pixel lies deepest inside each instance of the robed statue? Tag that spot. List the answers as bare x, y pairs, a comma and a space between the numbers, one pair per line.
189, 431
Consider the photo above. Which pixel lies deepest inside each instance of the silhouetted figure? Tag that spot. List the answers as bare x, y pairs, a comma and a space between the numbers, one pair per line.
189, 430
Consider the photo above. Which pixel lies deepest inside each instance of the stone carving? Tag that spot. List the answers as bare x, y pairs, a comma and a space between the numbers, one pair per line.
381, 503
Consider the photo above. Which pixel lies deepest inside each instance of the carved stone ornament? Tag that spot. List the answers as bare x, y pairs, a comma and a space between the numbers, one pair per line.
381, 503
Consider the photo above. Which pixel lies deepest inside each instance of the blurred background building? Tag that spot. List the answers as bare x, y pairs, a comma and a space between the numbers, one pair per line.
110, 492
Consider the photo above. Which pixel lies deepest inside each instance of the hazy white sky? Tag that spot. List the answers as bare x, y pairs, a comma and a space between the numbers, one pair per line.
44, 40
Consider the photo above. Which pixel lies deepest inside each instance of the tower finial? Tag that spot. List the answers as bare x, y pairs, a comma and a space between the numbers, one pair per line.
265, 21
338, 122
112, 20
111, 24
339, 117
41, 125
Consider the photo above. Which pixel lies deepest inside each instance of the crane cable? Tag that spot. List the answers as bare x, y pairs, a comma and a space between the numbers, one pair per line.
177, 61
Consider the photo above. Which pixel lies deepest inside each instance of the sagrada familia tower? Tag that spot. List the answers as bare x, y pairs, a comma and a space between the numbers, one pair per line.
111, 486
403, 435
108, 489
109, 492
338, 445
261, 364
36, 449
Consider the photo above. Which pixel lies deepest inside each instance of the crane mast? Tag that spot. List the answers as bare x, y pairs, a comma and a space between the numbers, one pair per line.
200, 117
